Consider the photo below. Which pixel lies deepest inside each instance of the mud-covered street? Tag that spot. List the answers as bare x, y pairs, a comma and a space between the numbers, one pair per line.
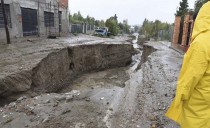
116, 95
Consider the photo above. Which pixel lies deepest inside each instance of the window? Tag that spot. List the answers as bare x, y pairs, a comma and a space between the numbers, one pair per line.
49, 19
7, 10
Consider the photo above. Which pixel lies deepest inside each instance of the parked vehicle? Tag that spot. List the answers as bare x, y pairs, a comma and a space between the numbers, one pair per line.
102, 32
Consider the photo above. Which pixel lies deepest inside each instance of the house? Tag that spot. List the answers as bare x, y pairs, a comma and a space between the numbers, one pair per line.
34, 17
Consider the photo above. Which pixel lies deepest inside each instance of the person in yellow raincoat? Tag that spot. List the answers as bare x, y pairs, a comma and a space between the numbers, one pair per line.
191, 105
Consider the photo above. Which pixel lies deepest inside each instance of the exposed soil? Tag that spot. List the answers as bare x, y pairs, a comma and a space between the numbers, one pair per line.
127, 97
36, 68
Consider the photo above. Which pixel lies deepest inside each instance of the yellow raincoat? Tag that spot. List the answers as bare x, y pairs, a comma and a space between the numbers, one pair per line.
191, 106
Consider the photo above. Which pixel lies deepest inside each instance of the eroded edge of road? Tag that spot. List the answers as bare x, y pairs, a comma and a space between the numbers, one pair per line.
62, 65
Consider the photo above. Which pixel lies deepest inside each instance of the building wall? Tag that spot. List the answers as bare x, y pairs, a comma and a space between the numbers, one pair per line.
186, 34
188, 25
16, 17
176, 30
16, 29
185, 30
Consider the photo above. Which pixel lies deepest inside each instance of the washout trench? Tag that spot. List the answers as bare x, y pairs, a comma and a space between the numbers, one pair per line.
134, 96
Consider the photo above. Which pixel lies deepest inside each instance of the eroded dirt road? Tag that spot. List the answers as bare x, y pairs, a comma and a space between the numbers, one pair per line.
116, 98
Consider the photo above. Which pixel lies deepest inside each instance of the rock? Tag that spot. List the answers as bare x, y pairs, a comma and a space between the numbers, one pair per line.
154, 126
73, 93
47, 101
26, 125
79, 125
99, 113
37, 97
76, 92
111, 109
55, 104
102, 98
66, 111
21, 98
12, 105
138, 126
8, 119
32, 108
113, 77
46, 119
88, 100
153, 118
69, 98
60, 98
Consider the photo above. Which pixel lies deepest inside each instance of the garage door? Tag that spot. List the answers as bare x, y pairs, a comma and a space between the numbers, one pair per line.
29, 21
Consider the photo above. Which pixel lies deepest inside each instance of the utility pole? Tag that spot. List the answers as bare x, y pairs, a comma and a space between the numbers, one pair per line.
38, 27
5, 22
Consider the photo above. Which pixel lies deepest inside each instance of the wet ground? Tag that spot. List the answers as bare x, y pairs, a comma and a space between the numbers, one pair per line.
116, 98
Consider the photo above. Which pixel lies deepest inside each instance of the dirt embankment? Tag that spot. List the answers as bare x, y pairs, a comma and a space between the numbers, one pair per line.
147, 50
61, 65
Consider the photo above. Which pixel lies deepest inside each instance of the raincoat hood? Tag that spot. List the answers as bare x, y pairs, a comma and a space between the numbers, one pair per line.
202, 22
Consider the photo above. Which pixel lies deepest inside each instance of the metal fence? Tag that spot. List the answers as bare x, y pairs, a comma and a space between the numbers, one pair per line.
82, 28
76, 28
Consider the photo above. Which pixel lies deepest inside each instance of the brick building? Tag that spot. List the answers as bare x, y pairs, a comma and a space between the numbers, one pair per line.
182, 32
35, 17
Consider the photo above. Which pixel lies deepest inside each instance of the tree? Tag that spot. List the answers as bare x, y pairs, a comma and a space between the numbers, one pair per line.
199, 4
183, 8
99, 23
126, 28
147, 28
115, 17
89, 20
155, 29
76, 18
136, 28
121, 26
111, 23
79, 16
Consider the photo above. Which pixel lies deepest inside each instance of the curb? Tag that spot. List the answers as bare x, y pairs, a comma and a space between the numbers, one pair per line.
182, 53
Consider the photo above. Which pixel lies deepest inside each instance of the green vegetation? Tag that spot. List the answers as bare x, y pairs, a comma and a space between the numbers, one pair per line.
183, 8
156, 29
77, 18
124, 27
111, 23
199, 4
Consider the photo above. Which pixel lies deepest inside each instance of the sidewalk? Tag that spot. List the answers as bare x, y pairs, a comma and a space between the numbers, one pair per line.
176, 48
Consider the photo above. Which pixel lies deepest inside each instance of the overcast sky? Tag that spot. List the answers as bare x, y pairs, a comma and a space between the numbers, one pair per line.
133, 10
